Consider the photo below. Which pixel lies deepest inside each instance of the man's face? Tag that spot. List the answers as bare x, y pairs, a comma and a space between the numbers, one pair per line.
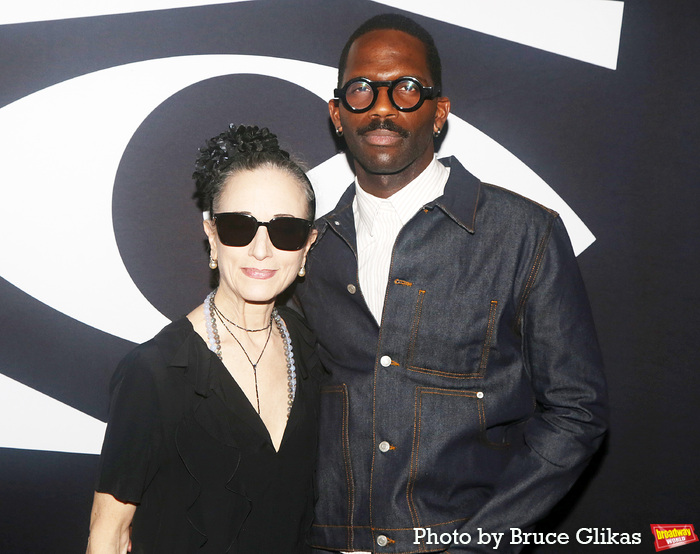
384, 140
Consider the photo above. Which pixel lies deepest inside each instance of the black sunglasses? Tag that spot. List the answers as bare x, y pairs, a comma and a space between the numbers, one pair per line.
407, 94
286, 233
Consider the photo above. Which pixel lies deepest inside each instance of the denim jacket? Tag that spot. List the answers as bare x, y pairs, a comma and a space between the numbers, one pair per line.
479, 399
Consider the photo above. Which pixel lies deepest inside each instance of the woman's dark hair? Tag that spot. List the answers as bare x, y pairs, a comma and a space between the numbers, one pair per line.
243, 148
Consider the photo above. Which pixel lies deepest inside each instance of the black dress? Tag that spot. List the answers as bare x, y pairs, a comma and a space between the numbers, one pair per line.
185, 444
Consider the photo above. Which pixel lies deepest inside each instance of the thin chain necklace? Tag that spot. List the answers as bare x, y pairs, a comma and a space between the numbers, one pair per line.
254, 365
210, 315
220, 314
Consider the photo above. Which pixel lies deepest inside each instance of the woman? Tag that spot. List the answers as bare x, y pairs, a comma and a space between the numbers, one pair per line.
211, 439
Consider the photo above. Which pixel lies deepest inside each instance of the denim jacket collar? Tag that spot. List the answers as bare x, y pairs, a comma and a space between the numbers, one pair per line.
459, 202
461, 196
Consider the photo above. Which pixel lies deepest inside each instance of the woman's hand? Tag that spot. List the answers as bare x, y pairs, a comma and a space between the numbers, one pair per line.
109, 525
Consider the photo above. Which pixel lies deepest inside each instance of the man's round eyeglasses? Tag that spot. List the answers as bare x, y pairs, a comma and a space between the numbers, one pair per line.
407, 94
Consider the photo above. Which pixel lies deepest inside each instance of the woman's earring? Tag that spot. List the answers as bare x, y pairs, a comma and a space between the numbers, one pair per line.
302, 271
213, 264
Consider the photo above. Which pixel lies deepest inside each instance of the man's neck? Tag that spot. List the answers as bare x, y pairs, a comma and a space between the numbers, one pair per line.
385, 185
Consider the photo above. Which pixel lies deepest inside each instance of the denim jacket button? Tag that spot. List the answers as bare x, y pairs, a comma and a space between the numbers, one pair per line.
479, 394
352, 289
384, 446
385, 361
382, 540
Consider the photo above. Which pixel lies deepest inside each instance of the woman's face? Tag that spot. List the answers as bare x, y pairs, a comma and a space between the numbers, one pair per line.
258, 272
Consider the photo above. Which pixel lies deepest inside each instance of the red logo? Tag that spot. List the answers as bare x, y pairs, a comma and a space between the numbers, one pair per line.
671, 536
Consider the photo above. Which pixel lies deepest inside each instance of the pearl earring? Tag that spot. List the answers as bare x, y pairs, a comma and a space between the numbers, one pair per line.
213, 264
302, 271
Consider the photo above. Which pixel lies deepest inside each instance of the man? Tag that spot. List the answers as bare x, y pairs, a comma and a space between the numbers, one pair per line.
466, 390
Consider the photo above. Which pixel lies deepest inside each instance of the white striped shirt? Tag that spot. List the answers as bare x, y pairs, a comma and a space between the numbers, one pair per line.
378, 222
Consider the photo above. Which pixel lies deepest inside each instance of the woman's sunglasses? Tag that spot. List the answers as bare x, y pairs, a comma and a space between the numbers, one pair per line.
286, 233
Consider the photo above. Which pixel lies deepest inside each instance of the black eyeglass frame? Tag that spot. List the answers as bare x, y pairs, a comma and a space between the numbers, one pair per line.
274, 238
426, 93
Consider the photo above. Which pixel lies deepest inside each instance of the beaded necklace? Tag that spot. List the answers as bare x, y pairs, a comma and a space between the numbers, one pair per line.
210, 316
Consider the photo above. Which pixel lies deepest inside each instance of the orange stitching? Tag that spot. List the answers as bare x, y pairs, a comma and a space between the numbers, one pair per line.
448, 392
374, 387
480, 410
482, 423
342, 389
414, 457
534, 270
414, 326
343, 445
394, 363
445, 373
324, 546
413, 483
489, 335
390, 528
402, 282
446, 522
416, 441
415, 466
348, 466
482, 419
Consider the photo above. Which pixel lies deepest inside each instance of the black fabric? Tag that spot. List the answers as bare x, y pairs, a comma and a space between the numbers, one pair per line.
185, 444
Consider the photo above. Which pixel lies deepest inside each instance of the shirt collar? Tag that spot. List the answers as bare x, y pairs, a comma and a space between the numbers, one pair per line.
365, 208
428, 186
459, 202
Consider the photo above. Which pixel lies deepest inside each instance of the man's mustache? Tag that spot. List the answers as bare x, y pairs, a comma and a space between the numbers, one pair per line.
386, 125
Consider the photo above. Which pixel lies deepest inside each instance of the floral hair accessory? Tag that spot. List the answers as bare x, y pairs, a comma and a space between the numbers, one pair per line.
239, 144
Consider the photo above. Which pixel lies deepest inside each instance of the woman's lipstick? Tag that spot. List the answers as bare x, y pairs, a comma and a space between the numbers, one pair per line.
255, 273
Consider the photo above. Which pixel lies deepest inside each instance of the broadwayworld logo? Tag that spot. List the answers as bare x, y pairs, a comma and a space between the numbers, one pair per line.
671, 536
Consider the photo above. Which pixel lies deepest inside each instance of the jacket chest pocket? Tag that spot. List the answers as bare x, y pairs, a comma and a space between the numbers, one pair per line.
454, 338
